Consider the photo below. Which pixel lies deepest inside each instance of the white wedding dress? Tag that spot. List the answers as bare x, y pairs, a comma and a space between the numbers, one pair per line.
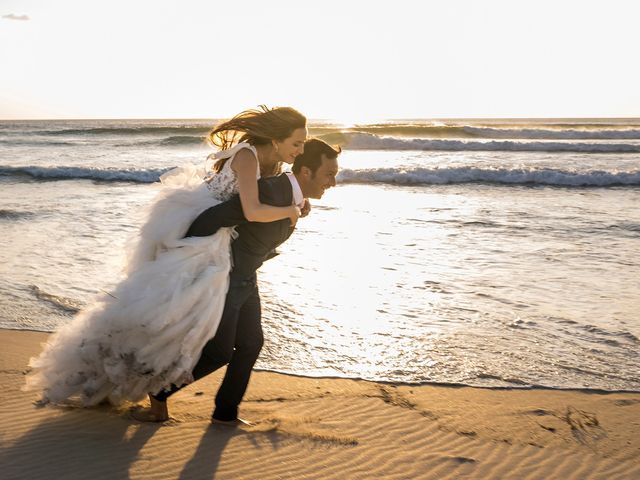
150, 330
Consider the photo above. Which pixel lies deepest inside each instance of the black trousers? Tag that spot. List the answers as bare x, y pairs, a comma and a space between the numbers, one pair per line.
237, 343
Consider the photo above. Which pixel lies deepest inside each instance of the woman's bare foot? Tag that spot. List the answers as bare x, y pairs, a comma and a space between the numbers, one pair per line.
158, 412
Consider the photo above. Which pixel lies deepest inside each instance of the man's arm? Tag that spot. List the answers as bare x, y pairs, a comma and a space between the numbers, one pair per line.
229, 213
225, 214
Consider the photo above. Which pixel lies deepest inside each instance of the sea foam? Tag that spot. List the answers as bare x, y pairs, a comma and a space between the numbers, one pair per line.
396, 175
69, 173
506, 176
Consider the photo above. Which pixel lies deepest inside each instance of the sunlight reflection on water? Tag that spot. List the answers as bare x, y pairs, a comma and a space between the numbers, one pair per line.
448, 288
477, 284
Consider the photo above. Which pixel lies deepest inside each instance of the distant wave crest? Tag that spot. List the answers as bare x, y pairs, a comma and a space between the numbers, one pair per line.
517, 176
133, 130
550, 132
183, 140
468, 136
545, 133
366, 141
172, 141
565, 131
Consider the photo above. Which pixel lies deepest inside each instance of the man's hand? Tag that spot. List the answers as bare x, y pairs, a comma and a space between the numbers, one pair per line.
306, 208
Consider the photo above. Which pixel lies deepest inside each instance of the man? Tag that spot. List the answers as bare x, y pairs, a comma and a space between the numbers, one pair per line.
239, 339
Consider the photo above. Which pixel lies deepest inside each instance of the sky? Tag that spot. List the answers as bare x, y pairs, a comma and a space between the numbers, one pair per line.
348, 60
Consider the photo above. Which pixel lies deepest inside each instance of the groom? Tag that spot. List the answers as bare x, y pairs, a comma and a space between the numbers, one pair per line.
239, 339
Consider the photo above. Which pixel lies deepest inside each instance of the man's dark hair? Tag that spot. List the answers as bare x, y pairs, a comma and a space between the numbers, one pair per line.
314, 149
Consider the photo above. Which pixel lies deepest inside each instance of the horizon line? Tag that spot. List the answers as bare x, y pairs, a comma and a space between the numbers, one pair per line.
326, 119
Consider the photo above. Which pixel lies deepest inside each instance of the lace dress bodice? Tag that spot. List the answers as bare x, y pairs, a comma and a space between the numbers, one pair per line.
224, 184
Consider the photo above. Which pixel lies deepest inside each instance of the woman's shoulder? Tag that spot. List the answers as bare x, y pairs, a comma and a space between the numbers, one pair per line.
240, 160
245, 159
243, 148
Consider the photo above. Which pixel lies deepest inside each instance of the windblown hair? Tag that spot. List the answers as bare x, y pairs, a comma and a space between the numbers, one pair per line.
314, 149
257, 127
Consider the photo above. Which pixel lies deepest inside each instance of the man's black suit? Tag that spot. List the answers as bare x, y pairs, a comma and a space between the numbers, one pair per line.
239, 339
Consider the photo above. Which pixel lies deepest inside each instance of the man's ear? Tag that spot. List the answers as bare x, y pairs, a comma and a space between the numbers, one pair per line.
306, 172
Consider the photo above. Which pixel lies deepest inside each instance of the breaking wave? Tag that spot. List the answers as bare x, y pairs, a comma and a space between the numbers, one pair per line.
99, 174
513, 176
398, 175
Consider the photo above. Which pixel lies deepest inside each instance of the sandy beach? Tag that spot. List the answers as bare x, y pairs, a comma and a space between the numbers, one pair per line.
461, 301
308, 428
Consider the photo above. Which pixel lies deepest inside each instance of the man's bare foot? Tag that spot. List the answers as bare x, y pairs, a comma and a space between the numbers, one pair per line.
238, 422
158, 412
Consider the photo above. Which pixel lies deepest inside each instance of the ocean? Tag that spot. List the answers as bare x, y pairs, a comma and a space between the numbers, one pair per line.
493, 253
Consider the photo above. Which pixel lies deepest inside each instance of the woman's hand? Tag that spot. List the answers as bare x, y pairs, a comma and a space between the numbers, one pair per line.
306, 208
295, 215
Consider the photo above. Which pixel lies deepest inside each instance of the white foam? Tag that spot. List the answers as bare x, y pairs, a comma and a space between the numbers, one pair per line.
107, 174
514, 176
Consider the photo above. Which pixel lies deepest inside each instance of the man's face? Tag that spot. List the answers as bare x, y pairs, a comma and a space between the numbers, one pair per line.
324, 177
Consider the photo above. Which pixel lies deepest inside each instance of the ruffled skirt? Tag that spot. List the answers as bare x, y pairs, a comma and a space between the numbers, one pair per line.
150, 330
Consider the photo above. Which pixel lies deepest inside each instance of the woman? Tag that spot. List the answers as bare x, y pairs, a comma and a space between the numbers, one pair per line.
149, 332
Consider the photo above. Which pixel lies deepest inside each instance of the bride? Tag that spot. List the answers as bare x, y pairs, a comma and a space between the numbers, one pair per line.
149, 332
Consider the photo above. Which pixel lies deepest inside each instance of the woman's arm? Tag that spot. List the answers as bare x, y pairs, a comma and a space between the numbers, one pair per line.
245, 165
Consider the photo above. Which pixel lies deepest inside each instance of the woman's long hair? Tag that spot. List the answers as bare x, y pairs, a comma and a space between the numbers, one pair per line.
256, 127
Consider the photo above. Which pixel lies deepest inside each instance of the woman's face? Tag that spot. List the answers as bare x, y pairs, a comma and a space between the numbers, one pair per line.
291, 147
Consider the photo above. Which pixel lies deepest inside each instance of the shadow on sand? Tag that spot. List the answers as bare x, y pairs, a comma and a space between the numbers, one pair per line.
76, 444
80, 444
206, 460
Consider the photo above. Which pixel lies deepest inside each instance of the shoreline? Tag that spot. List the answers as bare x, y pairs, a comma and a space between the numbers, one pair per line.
428, 383
406, 383
308, 428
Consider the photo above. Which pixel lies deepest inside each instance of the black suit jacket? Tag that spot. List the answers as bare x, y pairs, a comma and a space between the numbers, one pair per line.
256, 240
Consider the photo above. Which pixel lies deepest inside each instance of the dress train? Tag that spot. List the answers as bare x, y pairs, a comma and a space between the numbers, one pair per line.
149, 332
